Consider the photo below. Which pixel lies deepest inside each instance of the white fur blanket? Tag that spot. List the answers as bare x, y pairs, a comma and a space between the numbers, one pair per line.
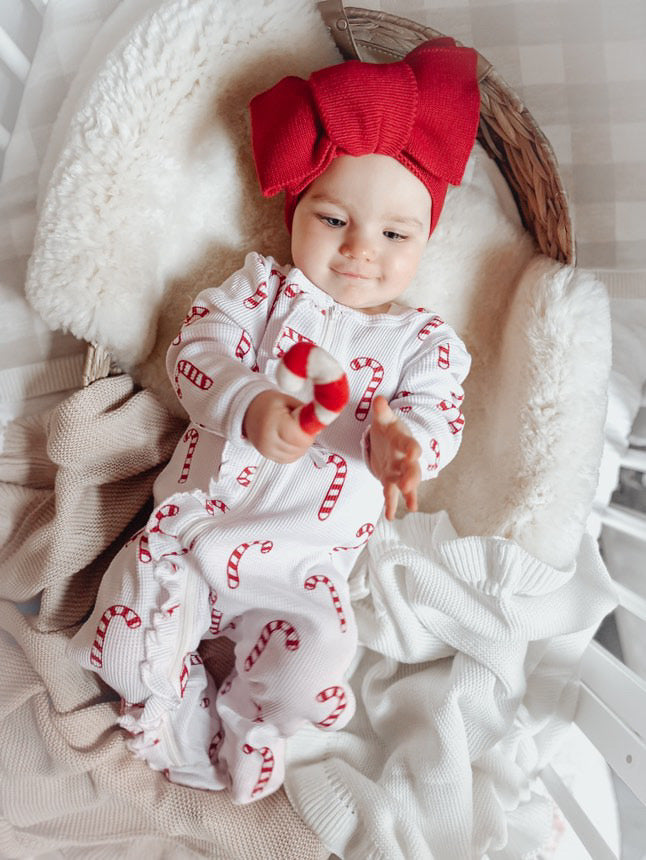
152, 196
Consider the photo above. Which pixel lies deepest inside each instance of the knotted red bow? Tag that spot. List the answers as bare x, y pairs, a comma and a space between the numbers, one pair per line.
423, 111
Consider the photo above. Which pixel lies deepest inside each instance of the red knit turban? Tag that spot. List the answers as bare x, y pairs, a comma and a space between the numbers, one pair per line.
422, 111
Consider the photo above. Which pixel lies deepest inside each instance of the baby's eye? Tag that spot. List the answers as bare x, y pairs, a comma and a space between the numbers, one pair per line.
331, 221
396, 237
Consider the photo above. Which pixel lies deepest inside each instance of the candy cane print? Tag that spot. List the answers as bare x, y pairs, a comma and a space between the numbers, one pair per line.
192, 437
193, 659
233, 576
213, 505
310, 584
291, 291
292, 336
244, 345
117, 611
366, 528
216, 615
363, 408
291, 640
163, 513
194, 375
435, 448
196, 312
334, 490
258, 297
404, 394
326, 695
457, 423
144, 551
434, 322
308, 361
443, 350
244, 478
266, 768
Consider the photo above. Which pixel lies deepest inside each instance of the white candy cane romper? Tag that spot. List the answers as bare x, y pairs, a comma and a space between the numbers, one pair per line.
254, 550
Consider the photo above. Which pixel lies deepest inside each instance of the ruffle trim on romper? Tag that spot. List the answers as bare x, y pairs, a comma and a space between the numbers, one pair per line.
164, 546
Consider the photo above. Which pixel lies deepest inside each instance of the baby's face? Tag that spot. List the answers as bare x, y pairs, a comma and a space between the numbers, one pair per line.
360, 229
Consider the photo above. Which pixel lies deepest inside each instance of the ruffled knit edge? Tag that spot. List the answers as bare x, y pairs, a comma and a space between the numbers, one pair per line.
164, 543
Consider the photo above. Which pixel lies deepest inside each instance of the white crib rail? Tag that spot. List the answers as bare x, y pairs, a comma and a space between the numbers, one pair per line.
19, 27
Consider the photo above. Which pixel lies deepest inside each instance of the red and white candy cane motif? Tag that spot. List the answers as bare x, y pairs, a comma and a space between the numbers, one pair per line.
334, 490
291, 640
244, 478
434, 322
308, 361
197, 312
363, 408
192, 437
213, 505
457, 423
144, 552
233, 576
117, 611
266, 769
310, 584
165, 512
258, 297
404, 394
194, 375
291, 291
365, 529
192, 659
244, 345
216, 615
443, 356
332, 693
435, 448
291, 336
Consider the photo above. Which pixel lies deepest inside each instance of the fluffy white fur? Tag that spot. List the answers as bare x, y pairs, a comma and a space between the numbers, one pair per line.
154, 196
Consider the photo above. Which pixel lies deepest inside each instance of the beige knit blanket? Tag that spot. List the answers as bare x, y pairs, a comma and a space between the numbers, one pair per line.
71, 482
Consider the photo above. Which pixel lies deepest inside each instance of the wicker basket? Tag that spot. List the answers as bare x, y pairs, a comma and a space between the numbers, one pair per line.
507, 132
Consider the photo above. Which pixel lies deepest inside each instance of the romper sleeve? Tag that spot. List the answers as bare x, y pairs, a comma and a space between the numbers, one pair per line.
429, 397
212, 361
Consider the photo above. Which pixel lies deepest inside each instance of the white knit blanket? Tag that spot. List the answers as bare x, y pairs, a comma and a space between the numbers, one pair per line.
465, 685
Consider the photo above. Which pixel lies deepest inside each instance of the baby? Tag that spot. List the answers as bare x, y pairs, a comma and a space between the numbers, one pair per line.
257, 524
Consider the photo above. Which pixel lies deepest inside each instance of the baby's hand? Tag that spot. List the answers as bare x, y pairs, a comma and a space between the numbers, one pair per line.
272, 429
394, 457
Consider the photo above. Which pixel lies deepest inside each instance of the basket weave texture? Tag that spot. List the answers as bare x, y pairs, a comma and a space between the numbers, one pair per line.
507, 131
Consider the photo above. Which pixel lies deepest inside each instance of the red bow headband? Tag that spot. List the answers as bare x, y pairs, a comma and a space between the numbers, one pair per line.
422, 111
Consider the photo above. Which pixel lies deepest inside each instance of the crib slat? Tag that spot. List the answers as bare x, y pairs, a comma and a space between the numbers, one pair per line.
4, 137
13, 57
634, 458
617, 685
630, 600
624, 520
581, 823
622, 748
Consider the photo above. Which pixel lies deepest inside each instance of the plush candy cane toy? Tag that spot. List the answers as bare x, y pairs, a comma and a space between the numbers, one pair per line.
308, 361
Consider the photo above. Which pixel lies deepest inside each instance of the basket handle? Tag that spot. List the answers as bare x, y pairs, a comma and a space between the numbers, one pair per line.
336, 21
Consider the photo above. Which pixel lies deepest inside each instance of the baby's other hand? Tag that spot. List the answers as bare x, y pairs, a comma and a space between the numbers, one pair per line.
272, 429
394, 457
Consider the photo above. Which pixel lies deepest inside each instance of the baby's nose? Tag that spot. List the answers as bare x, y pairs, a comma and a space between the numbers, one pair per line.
358, 246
